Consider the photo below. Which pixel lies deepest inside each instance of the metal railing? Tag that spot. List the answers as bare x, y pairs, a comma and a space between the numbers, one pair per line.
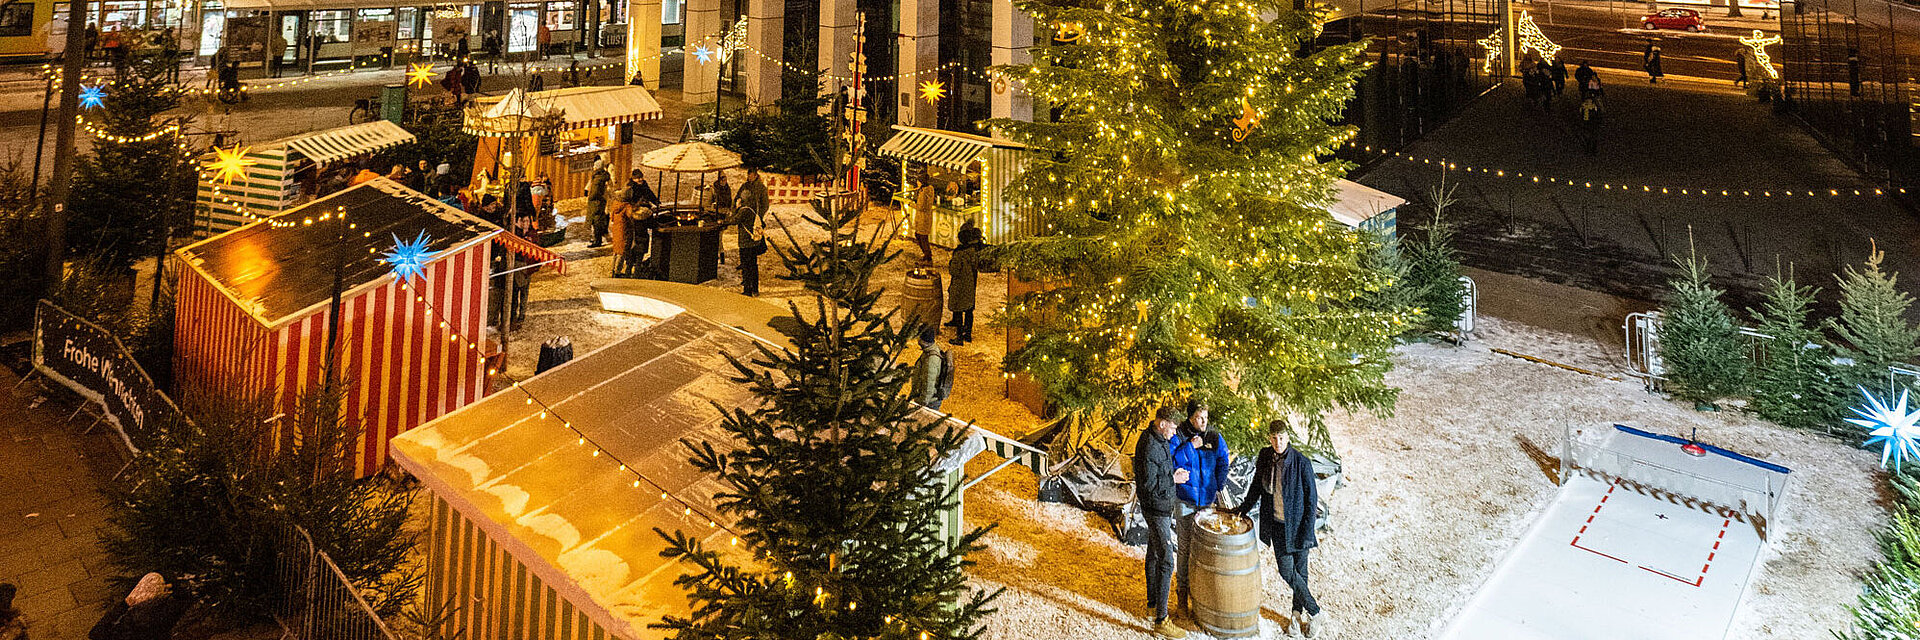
1759, 495
319, 602
1643, 346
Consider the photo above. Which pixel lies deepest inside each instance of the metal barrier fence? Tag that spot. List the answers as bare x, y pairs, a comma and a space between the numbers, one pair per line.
1758, 493
1643, 347
320, 604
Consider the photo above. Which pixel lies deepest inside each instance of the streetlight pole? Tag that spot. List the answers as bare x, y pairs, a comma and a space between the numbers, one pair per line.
55, 206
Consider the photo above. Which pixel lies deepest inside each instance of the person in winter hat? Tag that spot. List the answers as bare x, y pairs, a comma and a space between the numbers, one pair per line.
1286, 499
147, 613
1155, 477
1202, 452
964, 266
928, 387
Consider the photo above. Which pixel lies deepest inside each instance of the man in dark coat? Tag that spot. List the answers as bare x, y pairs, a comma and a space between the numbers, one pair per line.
1284, 493
1154, 479
964, 266
1582, 75
596, 193
748, 206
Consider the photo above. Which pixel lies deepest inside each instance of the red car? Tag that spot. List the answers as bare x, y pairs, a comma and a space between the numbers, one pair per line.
1676, 19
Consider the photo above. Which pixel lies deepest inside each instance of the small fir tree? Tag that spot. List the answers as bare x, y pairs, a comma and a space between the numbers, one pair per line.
1872, 327
138, 184
833, 482
1701, 349
1889, 605
1434, 270
1184, 245
1388, 257
209, 502
1796, 384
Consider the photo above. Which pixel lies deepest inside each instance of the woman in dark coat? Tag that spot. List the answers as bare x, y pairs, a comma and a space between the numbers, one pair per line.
963, 269
1286, 523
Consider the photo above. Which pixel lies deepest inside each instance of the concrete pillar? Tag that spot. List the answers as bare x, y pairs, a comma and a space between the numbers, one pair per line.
700, 82
919, 40
1012, 37
643, 42
837, 26
766, 25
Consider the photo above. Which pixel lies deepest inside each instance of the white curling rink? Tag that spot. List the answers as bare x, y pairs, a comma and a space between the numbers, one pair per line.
1642, 542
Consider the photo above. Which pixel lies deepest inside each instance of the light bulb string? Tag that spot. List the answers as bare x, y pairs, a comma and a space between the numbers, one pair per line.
1604, 185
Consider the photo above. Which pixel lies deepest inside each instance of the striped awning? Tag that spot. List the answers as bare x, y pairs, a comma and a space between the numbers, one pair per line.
578, 108
349, 141
950, 149
527, 249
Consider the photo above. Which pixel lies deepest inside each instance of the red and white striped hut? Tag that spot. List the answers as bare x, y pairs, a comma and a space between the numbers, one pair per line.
255, 308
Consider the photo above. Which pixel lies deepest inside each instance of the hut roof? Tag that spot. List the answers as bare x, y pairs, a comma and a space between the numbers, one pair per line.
282, 268
1354, 203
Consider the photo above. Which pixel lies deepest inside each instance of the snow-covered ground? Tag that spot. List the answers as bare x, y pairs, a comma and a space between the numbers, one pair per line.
1435, 495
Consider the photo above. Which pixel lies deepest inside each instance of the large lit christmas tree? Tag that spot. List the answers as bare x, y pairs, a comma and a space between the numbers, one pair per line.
1178, 181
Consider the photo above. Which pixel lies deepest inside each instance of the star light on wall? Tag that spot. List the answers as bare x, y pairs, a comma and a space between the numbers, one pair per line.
703, 53
230, 164
1758, 44
420, 74
408, 257
1892, 428
932, 91
94, 96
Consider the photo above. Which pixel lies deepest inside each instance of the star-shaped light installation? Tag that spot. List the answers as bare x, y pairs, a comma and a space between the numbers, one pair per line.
932, 91
229, 164
1892, 427
420, 74
1758, 43
703, 53
94, 96
408, 257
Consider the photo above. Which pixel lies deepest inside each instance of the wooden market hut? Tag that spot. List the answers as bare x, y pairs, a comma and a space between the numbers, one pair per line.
268, 185
558, 134
1362, 207
533, 534
254, 308
987, 164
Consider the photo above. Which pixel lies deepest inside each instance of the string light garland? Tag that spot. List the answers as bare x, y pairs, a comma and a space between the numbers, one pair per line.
1757, 43
1529, 36
1642, 189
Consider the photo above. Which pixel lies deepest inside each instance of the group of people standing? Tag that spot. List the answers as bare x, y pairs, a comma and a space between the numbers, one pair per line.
1546, 80
1180, 467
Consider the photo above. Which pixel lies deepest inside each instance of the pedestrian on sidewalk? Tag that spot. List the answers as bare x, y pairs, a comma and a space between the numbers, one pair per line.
1651, 60
149, 612
1853, 72
1590, 116
1582, 75
933, 373
1543, 74
924, 201
1287, 501
1202, 452
470, 77
1740, 67
573, 73
1155, 477
1559, 70
13, 624
964, 266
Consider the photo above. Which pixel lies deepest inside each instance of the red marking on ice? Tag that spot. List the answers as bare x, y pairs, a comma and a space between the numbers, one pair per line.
1576, 545
1583, 531
1710, 557
1696, 581
1589, 519
1723, 532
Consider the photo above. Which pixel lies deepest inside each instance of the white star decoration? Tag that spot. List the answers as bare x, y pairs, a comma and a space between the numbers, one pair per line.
1892, 427
408, 257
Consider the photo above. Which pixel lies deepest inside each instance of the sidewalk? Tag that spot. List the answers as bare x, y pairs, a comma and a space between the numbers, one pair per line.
51, 516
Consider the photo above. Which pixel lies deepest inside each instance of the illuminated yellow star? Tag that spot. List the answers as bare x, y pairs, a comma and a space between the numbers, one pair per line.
229, 164
420, 75
932, 91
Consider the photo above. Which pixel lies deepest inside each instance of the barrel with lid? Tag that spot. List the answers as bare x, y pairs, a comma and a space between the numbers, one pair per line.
921, 300
1226, 575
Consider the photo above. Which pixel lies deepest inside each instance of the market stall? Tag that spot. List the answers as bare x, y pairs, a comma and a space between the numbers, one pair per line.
255, 306
1362, 207
260, 181
968, 175
528, 524
688, 225
556, 136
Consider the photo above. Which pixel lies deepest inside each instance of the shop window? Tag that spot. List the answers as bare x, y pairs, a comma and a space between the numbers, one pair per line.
523, 28
560, 16
16, 19
672, 11
333, 26
409, 23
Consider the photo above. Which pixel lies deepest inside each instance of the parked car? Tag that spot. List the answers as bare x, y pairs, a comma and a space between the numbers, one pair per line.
1675, 19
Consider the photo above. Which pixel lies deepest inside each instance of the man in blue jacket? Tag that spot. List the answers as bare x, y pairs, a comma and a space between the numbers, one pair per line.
1202, 452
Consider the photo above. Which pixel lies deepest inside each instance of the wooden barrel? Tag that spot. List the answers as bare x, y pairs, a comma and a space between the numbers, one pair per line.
921, 300
1226, 576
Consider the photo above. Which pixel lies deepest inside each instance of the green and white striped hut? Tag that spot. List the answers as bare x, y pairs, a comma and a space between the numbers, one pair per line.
266, 184
542, 513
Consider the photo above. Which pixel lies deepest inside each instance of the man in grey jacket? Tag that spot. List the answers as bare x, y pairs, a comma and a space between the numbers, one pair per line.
1154, 477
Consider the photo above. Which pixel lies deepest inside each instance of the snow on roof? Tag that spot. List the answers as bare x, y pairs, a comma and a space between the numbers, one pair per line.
575, 519
1353, 202
280, 273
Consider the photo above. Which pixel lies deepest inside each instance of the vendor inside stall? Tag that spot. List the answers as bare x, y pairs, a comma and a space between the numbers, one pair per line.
951, 179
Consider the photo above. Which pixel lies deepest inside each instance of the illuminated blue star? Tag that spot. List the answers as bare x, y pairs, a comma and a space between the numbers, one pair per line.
703, 53
408, 257
94, 96
1892, 427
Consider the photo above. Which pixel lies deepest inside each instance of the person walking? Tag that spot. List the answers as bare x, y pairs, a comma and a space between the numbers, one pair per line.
596, 193
149, 612
1853, 72
1652, 62
573, 73
751, 203
1559, 69
455, 83
470, 77
1202, 452
1287, 501
1582, 75
1740, 67
1155, 477
932, 372
964, 266
1590, 116
1543, 74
